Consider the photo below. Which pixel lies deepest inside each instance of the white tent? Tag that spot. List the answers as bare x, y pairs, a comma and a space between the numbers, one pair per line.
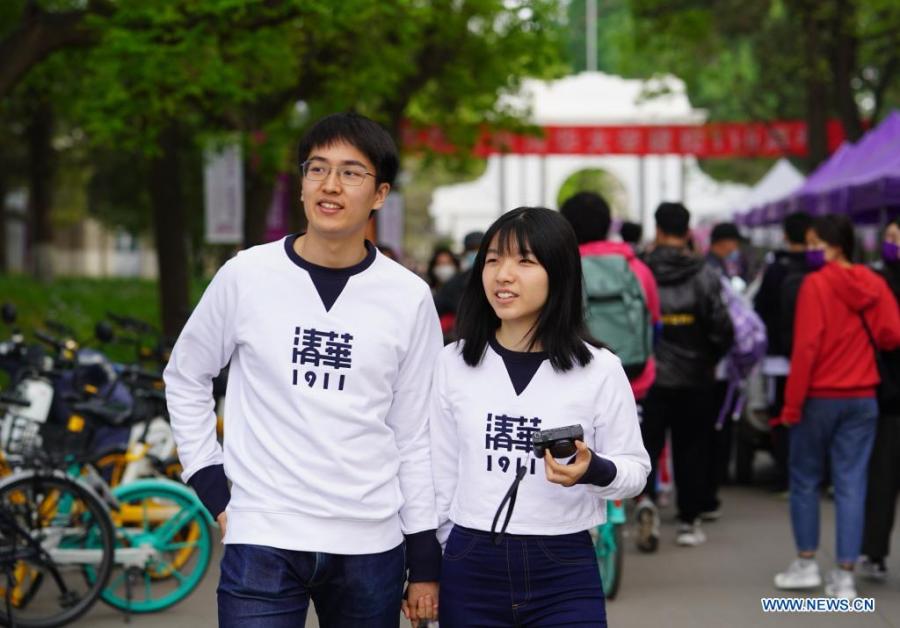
781, 179
590, 98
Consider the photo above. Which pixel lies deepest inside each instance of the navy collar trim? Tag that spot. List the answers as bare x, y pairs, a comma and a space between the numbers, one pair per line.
324, 271
519, 356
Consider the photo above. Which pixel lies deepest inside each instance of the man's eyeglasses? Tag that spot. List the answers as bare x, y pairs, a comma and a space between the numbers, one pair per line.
347, 175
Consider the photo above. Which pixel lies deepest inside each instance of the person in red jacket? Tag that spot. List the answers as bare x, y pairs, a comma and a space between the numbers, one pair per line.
830, 402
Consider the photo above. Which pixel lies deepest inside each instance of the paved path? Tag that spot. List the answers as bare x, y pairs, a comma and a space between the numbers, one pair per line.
717, 584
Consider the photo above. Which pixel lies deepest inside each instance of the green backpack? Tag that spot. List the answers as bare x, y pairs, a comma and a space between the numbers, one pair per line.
616, 310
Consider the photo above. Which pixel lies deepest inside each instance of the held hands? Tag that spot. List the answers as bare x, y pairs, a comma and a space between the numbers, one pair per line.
223, 523
421, 602
568, 474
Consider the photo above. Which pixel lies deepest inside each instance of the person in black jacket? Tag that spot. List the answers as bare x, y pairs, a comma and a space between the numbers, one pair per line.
884, 463
696, 333
775, 303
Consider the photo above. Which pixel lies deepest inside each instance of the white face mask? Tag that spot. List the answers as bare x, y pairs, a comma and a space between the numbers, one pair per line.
443, 272
468, 260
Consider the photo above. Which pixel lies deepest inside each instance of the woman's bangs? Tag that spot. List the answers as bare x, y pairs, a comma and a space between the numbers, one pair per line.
513, 238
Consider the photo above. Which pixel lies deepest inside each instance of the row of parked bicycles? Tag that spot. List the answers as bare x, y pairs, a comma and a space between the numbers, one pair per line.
91, 505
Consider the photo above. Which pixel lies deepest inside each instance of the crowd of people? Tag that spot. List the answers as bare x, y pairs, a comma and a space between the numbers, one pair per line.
361, 456
830, 328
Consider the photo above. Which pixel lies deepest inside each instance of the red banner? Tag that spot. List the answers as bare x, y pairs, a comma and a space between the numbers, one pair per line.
732, 139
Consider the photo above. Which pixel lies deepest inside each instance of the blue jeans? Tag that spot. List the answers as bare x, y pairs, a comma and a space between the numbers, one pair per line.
842, 431
268, 587
524, 581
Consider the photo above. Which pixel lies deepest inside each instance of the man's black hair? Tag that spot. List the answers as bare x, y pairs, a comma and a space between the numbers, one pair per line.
673, 219
631, 232
358, 131
589, 215
560, 328
796, 225
836, 230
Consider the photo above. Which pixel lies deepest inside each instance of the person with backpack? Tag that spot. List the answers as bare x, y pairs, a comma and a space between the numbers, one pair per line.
724, 256
845, 316
696, 333
622, 302
884, 465
748, 350
775, 302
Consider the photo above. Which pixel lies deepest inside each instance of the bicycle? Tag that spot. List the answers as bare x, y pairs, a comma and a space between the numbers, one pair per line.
162, 535
52, 528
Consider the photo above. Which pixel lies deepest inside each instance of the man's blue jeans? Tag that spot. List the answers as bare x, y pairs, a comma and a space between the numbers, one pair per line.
265, 587
841, 431
535, 581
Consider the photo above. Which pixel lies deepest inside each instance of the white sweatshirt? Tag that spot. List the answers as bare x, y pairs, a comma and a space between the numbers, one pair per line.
481, 432
326, 430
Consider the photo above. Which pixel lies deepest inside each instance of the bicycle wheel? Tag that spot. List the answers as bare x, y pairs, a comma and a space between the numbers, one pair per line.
610, 551
165, 546
111, 465
51, 529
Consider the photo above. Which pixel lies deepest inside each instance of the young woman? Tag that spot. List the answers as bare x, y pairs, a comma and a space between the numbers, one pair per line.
884, 465
523, 364
830, 406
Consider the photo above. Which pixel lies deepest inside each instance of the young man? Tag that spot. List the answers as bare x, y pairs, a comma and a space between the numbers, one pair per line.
775, 303
332, 347
696, 333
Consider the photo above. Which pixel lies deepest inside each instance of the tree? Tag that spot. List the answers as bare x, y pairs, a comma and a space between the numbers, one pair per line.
771, 59
161, 78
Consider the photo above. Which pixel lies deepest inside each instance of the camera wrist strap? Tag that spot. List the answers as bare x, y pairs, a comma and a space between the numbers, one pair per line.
511, 498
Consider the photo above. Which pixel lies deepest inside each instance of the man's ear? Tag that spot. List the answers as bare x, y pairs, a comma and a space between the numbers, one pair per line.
381, 195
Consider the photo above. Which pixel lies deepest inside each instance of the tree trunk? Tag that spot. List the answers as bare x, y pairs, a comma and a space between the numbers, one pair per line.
4, 190
258, 197
816, 93
170, 232
842, 55
41, 167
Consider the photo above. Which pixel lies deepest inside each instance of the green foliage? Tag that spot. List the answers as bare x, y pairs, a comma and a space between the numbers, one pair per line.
81, 303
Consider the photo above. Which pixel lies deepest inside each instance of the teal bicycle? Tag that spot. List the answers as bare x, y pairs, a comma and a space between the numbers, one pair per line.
609, 547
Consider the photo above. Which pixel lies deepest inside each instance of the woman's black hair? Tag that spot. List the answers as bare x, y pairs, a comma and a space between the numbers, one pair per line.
836, 230
366, 135
560, 328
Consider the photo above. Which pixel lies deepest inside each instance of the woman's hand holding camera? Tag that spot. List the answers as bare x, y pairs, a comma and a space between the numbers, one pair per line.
568, 474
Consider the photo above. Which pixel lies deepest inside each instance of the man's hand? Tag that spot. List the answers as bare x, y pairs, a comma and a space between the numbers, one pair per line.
421, 602
568, 474
223, 523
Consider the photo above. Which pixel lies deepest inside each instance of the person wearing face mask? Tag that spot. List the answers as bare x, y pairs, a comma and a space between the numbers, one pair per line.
884, 465
724, 256
442, 266
844, 311
725, 249
449, 295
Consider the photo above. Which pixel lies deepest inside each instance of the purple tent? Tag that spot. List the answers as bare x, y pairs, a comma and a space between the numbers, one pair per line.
859, 177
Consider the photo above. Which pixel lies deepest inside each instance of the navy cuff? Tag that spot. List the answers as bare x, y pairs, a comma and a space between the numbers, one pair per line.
600, 472
211, 486
423, 556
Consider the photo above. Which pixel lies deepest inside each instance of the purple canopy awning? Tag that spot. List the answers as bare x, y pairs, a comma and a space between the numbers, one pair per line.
859, 177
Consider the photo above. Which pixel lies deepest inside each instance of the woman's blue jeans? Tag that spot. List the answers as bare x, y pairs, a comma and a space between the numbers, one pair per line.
840, 431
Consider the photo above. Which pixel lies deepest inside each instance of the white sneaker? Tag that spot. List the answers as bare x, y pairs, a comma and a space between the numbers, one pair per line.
871, 569
647, 517
840, 584
802, 573
690, 535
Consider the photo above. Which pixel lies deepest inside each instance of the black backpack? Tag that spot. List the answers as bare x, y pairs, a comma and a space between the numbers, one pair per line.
790, 289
